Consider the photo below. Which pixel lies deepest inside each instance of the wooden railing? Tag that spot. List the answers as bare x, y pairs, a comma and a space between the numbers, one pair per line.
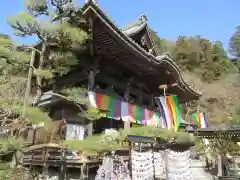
53, 133
229, 178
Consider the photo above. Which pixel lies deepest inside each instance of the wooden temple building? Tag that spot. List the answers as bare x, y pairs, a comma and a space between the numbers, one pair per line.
124, 64
121, 63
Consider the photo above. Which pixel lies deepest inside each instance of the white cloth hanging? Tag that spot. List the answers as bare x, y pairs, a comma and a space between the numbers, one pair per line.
75, 132
146, 164
113, 168
178, 165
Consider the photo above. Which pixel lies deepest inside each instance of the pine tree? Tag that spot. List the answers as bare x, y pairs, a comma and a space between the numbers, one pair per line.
234, 43
17, 63
201, 56
14, 66
57, 37
234, 48
13, 74
60, 36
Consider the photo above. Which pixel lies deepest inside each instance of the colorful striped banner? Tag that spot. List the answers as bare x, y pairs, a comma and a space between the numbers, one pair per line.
149, 119
134, 113
147, 115
124, 111
164, 110
117, 109
139, 113
131, 111
111, 107
156, 119
169, 110
162, 114
177, 112
200, 120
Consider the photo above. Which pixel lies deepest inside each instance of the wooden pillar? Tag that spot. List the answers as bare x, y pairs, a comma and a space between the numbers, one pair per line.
153, 163
91, 84
91, 45
84, 171
91, 80
45, 164
90, 129
152, 101
220, 170
140, 95
130, 158
166, 163
63, 167
92, 74
127, 125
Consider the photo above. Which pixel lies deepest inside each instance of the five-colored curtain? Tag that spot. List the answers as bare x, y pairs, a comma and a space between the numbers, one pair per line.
199, 119
169, 110
117, 109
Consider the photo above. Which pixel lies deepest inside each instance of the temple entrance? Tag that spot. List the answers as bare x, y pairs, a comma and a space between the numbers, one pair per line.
102, 124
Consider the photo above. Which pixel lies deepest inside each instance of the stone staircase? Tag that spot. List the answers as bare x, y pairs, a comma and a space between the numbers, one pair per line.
197, 168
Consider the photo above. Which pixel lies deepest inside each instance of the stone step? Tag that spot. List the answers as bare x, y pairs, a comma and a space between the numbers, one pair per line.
197, 168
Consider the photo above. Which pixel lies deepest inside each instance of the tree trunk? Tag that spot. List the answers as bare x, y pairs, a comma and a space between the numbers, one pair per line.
29, 82
40, 67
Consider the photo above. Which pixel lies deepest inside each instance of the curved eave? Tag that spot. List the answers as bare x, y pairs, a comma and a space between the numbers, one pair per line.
183, 85
138, 50
135, 29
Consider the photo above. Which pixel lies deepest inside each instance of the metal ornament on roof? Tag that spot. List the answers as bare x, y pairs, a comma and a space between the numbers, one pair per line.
93, 1
60, 2
143, 18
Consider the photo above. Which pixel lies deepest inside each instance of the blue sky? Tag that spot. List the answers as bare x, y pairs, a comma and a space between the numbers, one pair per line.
212, 19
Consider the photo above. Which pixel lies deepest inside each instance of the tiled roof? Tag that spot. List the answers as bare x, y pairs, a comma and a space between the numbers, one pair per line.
134, 29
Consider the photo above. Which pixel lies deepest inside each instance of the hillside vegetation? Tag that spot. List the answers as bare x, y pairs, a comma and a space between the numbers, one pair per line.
206, 65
